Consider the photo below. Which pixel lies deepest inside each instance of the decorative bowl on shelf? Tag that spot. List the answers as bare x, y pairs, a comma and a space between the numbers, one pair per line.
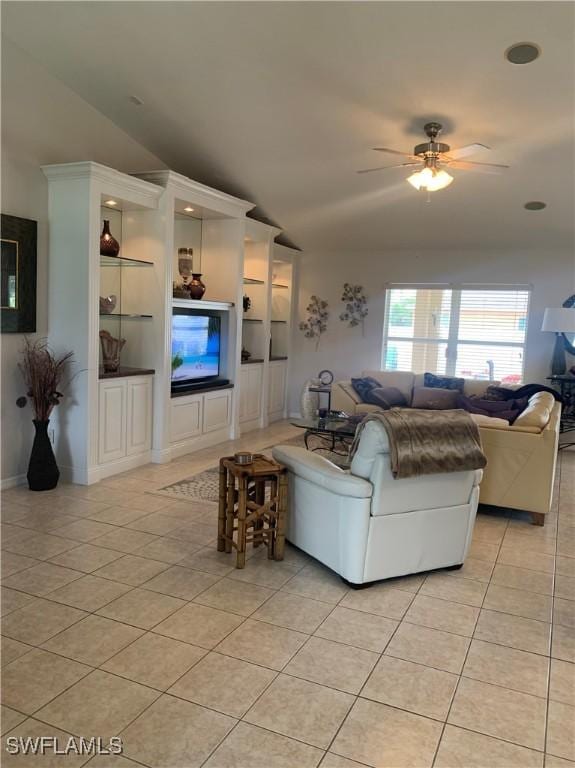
108, 304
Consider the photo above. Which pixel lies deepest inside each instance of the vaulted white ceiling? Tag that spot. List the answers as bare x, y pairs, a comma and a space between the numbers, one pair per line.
281, 102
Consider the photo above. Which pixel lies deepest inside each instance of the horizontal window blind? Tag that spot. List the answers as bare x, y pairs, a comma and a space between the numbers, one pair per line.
477, 333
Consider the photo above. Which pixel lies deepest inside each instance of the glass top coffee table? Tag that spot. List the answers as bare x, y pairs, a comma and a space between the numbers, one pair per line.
338, 431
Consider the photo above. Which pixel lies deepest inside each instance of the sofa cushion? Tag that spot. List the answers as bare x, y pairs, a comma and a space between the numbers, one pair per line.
489, 422
403, 380
363, 386
367, 408
386, 397
443, 382
537, 412
434, 398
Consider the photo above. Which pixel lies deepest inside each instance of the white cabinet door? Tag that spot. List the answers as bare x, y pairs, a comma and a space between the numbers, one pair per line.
217, 410
139, 416
112, 420
186, 417
250, 392
277, 387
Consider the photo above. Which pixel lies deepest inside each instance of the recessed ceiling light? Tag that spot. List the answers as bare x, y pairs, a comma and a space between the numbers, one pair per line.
535, 205
110, 202
522, 53
188, 209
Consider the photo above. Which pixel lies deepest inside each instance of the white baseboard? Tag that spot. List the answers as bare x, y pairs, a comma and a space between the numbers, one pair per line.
249, 426
201, 441
12, 482
161, 455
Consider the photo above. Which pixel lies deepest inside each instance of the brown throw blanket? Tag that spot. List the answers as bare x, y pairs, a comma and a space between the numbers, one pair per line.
423, 442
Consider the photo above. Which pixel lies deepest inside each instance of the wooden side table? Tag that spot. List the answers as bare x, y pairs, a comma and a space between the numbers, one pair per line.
252, 504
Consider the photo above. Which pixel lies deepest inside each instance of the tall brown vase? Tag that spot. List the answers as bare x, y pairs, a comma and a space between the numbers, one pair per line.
109, 246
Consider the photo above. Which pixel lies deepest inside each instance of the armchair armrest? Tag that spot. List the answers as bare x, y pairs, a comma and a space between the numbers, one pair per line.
320, 471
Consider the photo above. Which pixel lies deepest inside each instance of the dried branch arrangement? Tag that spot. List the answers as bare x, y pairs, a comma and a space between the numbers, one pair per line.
317, 317
43, 373
355, 310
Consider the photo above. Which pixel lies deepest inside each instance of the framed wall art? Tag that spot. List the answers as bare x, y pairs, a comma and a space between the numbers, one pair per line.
18, 275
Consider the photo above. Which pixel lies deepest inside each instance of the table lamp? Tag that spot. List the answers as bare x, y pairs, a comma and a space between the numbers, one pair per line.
559, 320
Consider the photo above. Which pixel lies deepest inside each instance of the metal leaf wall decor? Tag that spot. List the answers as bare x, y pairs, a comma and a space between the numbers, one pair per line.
355, 302
317, 317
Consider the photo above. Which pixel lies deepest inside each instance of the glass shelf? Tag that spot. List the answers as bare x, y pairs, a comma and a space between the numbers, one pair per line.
121, 314
253, 281
121, 261
279, 285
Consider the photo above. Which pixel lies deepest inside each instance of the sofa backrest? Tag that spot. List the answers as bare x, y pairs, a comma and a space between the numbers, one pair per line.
406, 381
402, 380
470, 386
392, 496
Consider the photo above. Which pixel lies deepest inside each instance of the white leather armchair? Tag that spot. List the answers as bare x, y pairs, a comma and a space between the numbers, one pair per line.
365, 525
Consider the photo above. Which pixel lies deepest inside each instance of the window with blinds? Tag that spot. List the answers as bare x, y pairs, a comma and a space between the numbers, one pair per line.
473, 332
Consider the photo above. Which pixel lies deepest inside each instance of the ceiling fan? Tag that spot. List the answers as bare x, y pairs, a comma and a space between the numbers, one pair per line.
432, 155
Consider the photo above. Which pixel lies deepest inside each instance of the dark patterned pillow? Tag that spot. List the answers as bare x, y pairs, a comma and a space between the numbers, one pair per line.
363, 386
386, 397
443, 382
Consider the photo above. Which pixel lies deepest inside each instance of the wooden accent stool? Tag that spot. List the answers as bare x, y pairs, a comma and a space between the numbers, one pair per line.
247, 504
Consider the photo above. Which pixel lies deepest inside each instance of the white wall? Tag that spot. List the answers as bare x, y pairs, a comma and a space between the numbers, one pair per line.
346, 352
44, 122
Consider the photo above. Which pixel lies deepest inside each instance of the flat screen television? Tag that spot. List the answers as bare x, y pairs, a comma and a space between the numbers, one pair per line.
196, 342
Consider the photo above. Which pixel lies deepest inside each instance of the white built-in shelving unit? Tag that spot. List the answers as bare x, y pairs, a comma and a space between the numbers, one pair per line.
120, 420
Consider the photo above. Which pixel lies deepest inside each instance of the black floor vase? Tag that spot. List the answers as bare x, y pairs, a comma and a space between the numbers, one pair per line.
43, 472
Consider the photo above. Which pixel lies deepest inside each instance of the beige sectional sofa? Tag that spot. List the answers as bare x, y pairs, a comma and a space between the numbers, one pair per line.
521, 458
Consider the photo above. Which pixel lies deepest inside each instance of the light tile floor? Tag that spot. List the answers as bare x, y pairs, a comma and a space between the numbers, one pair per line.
121, 619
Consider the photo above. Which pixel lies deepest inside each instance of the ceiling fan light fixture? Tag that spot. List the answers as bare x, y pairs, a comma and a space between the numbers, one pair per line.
430, 179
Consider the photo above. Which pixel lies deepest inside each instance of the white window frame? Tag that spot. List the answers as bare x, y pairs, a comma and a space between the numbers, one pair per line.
452, 339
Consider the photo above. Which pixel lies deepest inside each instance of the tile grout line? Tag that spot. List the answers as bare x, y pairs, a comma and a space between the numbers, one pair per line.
460, 674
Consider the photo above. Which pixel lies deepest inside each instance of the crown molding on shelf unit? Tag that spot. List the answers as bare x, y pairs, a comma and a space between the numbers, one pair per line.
202, 195
115, 183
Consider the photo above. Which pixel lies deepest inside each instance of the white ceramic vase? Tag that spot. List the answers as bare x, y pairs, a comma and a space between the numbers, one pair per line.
309, 401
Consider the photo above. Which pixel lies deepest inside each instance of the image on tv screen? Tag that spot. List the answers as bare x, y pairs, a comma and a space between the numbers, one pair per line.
195, 347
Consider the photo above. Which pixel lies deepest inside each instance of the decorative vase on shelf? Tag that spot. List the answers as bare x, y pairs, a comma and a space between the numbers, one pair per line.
43, 472
111, 349
196, 287
109, 246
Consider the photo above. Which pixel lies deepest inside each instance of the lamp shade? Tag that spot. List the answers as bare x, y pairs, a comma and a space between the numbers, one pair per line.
559, 320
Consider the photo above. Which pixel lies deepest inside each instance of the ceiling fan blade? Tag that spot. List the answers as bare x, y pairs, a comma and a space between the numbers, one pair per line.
468, 149
467, 165
394, 152
385, 167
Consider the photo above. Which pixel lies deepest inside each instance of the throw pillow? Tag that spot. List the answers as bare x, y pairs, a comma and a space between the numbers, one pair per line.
386, 397
364, 385
443, 382
434, 398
